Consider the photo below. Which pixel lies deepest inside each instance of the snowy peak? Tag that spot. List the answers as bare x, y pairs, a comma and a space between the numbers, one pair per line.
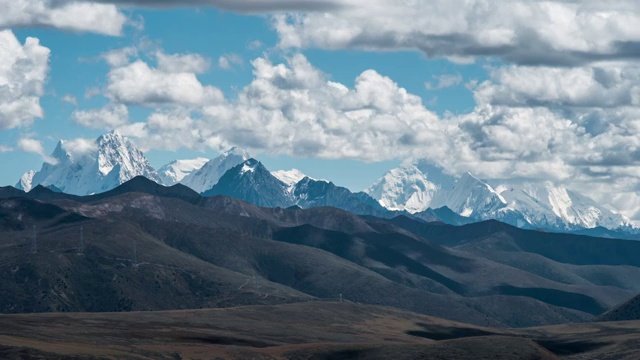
26, 181
290, 177
404, 188
175, 171
211, 172
249, 167
417, 186
547, 205
85, 167
252, 182
115, 152
470, 196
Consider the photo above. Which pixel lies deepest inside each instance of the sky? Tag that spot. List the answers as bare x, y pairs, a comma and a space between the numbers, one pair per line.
340, 89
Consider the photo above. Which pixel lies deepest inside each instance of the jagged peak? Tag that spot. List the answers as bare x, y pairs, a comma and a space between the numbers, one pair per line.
289, 177
250, 166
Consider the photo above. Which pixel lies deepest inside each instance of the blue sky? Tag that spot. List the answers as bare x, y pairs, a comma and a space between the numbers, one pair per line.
528, 90
76, 68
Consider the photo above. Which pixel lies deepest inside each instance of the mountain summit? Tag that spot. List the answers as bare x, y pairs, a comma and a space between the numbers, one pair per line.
417, 187
88, 167
211, 172
175, 171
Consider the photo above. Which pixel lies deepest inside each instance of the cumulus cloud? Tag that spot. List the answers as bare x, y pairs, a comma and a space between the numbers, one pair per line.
294, 109
109, 117
34, 146
182, 63
23, 72
228, 61
444, 81
68, 15
140, 84
527, 32
4, 148
599, 86
247, 6
80, 148
120, 57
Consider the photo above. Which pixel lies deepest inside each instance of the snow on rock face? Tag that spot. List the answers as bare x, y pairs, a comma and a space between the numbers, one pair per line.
470, 196
211, 172
177, 170
404, 188
290, 177
84, 168
419, 186
550, 206
26, 181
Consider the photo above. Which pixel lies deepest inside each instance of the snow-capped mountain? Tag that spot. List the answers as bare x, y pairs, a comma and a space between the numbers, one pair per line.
290, 177
26, 181
550, 206
211, 172
85, 167
524, 204
473, 198
252, 182
404, 188
316, 193
175, 171
469, 197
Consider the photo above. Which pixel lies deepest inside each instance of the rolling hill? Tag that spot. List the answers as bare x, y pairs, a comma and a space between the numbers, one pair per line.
142, 246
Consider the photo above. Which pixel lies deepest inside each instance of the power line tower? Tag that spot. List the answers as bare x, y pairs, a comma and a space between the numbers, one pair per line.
34, 240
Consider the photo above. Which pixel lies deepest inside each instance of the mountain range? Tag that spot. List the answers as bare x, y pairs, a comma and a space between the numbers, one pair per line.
144, 246
418, 189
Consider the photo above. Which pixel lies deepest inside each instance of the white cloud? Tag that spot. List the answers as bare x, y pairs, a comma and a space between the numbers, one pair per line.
247, 6
92, 92
139, 84
293, 109
34, 146
228, 61
4, 148
80, 148
182, 63
120, 57
70, 99
444, 81
521, 31
255, 45
67, 15
109, 117
169, 130
604, 85
23, 72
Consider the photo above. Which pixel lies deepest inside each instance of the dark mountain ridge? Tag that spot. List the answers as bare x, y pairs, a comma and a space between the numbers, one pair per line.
231, 252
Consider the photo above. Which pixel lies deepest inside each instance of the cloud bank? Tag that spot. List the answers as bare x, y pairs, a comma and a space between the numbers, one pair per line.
23, 72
